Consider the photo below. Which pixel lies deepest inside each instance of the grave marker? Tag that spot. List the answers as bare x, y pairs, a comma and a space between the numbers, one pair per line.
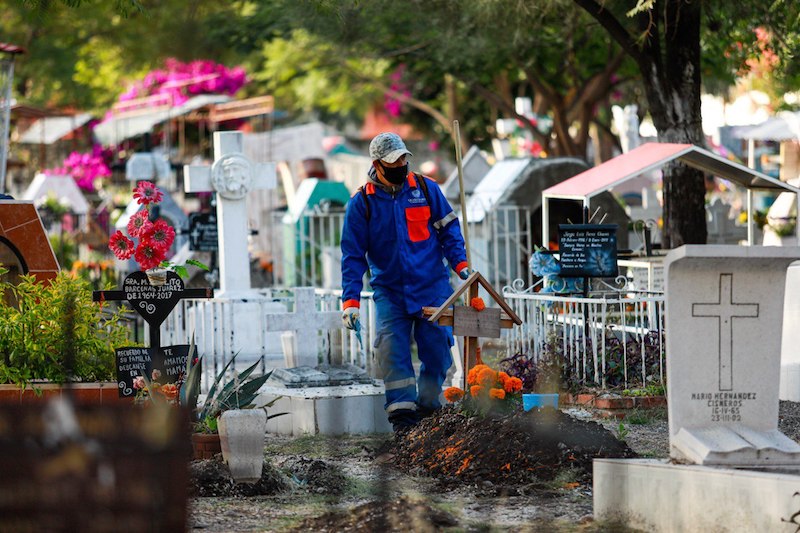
232, 176
203, 235
724, 313
588, 250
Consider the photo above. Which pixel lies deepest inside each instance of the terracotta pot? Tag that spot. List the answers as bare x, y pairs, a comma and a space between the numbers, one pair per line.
101, 392
205, 445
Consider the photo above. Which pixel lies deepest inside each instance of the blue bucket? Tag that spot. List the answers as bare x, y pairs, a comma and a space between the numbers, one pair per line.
529, 401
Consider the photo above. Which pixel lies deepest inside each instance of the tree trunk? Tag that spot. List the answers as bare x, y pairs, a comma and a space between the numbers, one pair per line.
672, 85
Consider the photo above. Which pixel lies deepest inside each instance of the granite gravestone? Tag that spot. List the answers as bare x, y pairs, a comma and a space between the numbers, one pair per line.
724, 315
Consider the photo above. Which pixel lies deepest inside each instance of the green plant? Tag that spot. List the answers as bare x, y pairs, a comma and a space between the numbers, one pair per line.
53, 331
622, 431
237, 393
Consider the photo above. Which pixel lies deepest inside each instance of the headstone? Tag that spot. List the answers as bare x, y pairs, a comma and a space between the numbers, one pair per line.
133, 361
306, 321
22, 231
724, 313
721, 228
790, 354
232, 176
147, 166
203, 235
588, 250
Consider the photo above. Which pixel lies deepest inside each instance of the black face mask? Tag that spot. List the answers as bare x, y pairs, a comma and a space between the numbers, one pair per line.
395, 175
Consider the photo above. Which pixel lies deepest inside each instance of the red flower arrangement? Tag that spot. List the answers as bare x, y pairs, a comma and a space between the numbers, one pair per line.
155, 237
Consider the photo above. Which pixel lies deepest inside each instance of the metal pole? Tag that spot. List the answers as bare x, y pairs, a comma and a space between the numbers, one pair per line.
6, 116
465, 226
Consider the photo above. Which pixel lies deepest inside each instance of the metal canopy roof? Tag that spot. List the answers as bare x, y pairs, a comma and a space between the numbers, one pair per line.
651, 156
50, 129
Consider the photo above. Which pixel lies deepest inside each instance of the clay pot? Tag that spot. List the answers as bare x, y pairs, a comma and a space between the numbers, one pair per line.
205, 445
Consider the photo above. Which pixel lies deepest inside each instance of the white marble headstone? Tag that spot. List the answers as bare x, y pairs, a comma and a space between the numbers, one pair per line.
723, 321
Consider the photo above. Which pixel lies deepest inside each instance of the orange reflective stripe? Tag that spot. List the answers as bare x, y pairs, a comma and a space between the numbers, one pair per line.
370, 188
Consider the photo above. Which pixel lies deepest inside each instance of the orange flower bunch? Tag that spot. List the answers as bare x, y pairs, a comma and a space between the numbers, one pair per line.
477, 303
486, 383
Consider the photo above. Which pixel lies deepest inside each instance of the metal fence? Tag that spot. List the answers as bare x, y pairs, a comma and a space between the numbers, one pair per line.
609, 339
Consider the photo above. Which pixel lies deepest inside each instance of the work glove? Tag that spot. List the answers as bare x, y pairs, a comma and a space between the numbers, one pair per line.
350, 318
464, 273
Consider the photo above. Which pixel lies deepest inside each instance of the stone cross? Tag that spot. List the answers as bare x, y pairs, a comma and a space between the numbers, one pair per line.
232, 176
306, 321
725, 311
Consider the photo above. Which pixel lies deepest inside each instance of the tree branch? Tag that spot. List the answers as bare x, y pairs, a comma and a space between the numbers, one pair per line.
608, 21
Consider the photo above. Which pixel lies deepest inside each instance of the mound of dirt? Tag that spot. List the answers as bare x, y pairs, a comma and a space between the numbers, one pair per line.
212, 477
516, 449
402, 514
315, 475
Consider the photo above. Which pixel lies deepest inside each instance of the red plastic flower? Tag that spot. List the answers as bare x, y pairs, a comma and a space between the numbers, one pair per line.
121, 246
159, 234
148, 256
147, 193
139, 223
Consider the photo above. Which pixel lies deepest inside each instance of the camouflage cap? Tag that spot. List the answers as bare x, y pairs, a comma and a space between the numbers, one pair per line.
387, 147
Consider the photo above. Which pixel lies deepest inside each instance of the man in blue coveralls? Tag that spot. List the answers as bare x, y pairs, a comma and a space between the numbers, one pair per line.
401, 227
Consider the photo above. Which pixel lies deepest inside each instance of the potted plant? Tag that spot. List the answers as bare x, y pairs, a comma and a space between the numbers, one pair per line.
52, 333
155, 238
211, 424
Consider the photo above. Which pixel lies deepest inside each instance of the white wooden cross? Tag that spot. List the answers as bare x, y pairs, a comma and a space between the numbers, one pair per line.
306, 321
232, 176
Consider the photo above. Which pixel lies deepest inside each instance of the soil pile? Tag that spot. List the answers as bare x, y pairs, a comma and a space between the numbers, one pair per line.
212, 477
315, 475
515, 449
403, 514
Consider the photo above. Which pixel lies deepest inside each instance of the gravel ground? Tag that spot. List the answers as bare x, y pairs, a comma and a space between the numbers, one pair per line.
564, 508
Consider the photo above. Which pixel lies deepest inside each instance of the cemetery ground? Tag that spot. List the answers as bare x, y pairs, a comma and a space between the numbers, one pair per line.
416, 483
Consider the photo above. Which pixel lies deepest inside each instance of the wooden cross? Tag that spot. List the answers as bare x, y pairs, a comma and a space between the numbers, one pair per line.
152, 303
232, 176
307, 321
471, 323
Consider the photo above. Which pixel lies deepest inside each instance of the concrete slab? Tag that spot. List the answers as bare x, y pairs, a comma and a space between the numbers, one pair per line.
656, 496
345, 409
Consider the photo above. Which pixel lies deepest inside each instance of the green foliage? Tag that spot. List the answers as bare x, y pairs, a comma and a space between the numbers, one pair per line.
622, 431
53, 331
239, 392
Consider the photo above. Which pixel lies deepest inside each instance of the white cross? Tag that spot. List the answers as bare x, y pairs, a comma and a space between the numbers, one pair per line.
232, 176
306, 321
727, 311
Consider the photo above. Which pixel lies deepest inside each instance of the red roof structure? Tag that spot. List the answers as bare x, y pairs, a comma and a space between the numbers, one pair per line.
651, 156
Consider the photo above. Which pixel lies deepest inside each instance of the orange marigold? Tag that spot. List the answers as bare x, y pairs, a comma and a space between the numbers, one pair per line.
516, 384
453, 394
497, 393
477, 303
472, 375
475, 390
487, 377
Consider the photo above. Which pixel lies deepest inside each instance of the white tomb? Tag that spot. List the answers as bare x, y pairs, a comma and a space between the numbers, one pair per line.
790, 346
723, 319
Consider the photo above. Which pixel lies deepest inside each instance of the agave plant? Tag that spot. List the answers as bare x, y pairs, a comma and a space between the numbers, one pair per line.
238, 393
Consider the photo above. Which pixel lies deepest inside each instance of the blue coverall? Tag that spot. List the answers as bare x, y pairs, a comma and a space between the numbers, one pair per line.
404, 243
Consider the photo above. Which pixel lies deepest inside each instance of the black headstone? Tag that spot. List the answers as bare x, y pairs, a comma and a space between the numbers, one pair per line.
588, 250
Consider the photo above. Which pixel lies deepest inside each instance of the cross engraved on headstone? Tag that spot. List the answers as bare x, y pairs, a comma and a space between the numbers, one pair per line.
232, 176
725, 312
306, 321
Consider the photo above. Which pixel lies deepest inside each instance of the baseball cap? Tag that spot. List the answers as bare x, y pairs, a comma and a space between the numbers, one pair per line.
387, 147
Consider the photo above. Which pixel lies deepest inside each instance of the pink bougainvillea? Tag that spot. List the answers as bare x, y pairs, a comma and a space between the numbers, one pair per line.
392, 105
179, 81
86, 168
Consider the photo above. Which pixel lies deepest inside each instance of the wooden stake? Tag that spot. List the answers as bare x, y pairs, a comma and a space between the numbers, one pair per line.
465, 226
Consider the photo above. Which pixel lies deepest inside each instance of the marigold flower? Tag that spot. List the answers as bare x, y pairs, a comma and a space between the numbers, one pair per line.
499, 394
120, 245
453, 394
475, 390
516, 384
487, 377
139, 223
472, 375
159, 233
146, 193
477, 303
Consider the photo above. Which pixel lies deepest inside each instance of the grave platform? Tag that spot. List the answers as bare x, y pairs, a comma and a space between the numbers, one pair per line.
333, 410
658, 496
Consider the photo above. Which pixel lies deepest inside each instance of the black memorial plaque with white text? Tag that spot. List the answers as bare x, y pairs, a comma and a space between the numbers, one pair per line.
153, 303
136, 361
203, 233
588, 250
